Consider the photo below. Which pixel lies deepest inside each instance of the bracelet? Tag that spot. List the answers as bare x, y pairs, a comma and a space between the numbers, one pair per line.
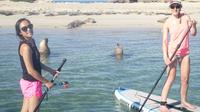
44, 81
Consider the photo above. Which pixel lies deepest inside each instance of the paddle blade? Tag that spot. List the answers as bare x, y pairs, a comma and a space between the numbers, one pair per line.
64, 84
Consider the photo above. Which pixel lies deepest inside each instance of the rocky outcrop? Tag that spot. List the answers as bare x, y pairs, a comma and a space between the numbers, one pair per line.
71, 9
42, 1
6, 13
119, 1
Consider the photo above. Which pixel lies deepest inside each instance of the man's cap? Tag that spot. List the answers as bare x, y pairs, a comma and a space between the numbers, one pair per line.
174, 2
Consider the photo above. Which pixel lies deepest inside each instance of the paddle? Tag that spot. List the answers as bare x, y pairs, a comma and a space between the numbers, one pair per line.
45, 93
163, 71
171, 105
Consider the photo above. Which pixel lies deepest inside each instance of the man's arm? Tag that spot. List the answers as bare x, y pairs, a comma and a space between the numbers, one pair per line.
165, 43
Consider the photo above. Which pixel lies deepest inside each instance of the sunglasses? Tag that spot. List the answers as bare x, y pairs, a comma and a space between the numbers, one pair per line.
25, 28
173, 6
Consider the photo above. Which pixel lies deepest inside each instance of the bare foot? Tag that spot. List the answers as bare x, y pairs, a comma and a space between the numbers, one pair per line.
164, 108
188, 106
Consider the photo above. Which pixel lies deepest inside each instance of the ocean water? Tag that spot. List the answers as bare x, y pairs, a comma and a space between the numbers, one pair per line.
92, 70
81, 1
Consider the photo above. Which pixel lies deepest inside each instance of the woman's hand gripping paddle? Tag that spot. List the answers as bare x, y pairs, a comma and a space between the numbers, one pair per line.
45, 93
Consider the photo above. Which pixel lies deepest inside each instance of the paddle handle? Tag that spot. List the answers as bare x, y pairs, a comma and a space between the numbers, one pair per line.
59, 69
63, 62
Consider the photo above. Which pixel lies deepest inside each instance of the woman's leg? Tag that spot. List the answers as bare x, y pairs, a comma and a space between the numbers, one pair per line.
34, 100
25, 105
32, 92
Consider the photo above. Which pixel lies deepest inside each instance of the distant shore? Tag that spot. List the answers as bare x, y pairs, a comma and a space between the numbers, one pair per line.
106, 15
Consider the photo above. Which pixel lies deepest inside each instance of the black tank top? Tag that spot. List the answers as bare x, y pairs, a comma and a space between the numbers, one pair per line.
35, 58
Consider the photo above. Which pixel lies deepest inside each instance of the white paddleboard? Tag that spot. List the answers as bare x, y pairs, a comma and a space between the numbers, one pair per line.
134, 100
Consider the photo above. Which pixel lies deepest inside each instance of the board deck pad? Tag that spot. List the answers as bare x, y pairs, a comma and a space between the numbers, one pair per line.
134, 99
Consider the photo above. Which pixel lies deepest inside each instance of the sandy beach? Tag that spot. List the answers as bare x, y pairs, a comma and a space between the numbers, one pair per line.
106, 15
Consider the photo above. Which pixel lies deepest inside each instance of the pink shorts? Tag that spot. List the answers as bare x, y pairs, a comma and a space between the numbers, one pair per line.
30, 89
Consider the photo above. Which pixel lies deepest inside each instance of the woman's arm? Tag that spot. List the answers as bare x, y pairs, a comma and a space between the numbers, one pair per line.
48, 69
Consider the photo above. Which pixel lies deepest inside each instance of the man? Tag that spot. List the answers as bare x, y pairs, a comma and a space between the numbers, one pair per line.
174, 30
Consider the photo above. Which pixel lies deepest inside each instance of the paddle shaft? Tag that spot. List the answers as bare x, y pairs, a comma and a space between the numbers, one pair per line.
163, 71
171, 105
45, 93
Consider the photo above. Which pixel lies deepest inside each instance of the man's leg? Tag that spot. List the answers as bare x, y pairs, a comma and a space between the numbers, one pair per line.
185, 73
167, 86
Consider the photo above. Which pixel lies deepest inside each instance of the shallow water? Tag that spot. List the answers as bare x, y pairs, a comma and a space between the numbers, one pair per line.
91, 68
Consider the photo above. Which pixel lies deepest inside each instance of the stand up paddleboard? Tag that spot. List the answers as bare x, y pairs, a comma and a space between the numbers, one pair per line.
134, 100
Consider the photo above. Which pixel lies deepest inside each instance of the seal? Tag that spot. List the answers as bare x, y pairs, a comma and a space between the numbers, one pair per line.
44, 50
118, 50
78, 23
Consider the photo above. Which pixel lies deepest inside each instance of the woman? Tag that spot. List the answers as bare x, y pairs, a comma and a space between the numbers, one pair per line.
176, 27
31, 82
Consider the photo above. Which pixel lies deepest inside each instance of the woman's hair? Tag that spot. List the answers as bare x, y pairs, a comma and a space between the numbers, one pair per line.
17, 27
